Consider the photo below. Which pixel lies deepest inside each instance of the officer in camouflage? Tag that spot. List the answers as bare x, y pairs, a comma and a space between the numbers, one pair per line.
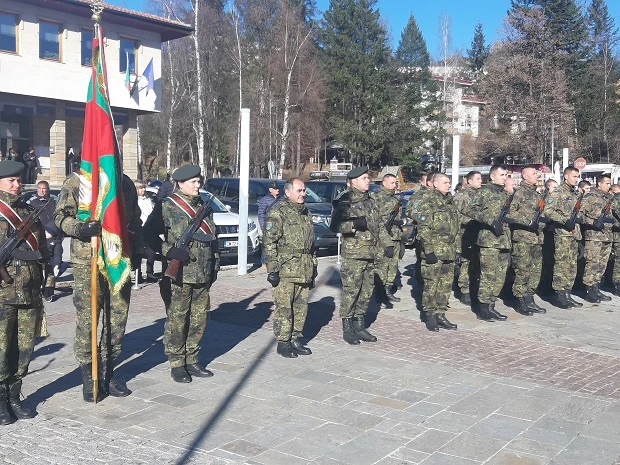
493, 240
615, 210
559, 207
115, 306
598, 224
527, 240
356, 217
438, 230
186, 316
466, 245
288, 239
411, 211
22, 307
387, 264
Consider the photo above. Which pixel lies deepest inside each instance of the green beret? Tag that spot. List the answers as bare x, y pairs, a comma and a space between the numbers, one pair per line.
357, 172
10, 168
185, 172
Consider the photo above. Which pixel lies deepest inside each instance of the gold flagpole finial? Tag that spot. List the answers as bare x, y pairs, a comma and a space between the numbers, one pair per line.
97, 7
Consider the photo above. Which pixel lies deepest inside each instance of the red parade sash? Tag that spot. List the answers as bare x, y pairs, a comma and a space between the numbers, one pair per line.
189, 211
15, 220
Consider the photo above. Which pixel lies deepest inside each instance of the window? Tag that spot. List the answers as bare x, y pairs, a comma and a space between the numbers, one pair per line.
87, 47
8, 32
49, 41
127, 55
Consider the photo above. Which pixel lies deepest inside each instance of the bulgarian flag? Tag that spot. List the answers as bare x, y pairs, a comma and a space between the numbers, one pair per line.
101, 195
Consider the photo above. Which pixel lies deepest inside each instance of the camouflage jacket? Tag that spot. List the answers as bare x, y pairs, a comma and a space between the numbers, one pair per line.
591, 208
523, 210
469, 227
558, 208
615, 210
386, 202
65, 217
204, 250
27, 274
438, 226
485, 209
361, 245
415, 200
288, 242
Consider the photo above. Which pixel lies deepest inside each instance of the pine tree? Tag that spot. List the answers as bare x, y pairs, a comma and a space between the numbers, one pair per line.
356, 60
418, 110
479, 51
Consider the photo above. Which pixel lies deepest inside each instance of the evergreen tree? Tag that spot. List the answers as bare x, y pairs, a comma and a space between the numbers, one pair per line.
356, 60
418, 114
479, 51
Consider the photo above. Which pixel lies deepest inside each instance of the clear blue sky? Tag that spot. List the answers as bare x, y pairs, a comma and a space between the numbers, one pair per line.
463, 14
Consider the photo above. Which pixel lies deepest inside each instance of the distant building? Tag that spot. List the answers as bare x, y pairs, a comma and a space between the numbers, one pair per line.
462, 105
45, 56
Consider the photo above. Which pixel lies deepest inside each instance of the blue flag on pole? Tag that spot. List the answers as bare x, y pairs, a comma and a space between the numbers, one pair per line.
150, 77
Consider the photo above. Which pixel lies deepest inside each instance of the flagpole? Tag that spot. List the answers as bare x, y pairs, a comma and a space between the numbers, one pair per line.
97, 8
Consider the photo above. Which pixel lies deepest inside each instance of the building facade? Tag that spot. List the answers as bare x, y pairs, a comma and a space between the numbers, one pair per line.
45, 68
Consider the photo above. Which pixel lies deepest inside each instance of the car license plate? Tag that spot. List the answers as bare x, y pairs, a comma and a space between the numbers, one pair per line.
231, 243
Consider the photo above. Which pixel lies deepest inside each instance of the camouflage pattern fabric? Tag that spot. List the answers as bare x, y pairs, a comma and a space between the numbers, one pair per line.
438, 226
411, 212
387, 268
598, 244
565, 262
615, 208
357, 285
485, 209
527, 265
596, 257
466, 244
186, 320
291, 309
437, 286
493, 267
558, 208
17, 336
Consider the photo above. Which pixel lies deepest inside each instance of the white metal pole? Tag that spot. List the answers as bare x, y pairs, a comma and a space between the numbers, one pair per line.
244, 182
456, 159
338, 258
564, 158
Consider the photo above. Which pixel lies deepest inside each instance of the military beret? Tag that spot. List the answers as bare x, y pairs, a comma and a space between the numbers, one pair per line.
357, 172
10, 168
185, 172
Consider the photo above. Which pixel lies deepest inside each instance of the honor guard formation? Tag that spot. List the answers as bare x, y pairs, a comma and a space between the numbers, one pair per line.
530, 239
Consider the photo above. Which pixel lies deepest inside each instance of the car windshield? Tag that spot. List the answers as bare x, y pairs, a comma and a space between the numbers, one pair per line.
216, 205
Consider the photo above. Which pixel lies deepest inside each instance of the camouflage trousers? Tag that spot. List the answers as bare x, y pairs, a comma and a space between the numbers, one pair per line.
527, 265
186, 321
17, 335
357, 285
565, 263
493, 267
291, 307
437, 286
466, 268
597, 255
113, 317
387, 268
616, 270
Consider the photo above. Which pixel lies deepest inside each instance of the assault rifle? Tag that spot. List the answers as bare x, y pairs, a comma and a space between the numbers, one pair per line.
600, 221
174, 265
573, 215
497, 224
9, 249
390, 221
537, 215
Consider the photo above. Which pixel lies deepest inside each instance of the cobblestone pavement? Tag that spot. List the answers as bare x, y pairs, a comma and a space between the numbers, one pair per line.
539, 390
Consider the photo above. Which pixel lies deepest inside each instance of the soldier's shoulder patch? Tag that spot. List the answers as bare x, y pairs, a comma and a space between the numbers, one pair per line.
268, 225
549, 201
421, 217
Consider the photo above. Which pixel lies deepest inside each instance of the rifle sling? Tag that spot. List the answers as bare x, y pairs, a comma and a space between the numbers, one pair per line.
189, 211
16, 221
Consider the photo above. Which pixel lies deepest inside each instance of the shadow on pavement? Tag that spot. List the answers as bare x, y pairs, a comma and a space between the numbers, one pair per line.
320, 313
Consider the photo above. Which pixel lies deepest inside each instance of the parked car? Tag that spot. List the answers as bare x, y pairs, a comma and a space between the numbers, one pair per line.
327, 191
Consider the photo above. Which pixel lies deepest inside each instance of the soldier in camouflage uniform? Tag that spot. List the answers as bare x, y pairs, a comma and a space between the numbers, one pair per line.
22, 306
466, 245
411, 211
186, 317
115, 306
527, 240
559, 208
598, 236
356, 217
615, 209
288, 239
493, 240
387, 264
438, 229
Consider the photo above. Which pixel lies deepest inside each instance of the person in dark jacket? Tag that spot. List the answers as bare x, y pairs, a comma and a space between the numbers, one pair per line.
267, 201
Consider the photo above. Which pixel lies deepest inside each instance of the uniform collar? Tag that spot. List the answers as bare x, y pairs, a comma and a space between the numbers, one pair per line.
11, 199
193, 200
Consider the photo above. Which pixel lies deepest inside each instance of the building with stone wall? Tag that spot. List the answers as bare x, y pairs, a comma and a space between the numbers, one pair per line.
45, 56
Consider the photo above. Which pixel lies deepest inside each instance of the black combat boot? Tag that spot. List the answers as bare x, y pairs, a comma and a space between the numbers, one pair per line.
5, 415
443, 322
602, 297
484, 313
431, 322
359, 327
496, 315
111, 385
348, 333
198, 371
390, 295
465, 298
286, 350
591, 295
571, 301
87, 384
19, 410
561, 300
533, 306
523, 308
300, 348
